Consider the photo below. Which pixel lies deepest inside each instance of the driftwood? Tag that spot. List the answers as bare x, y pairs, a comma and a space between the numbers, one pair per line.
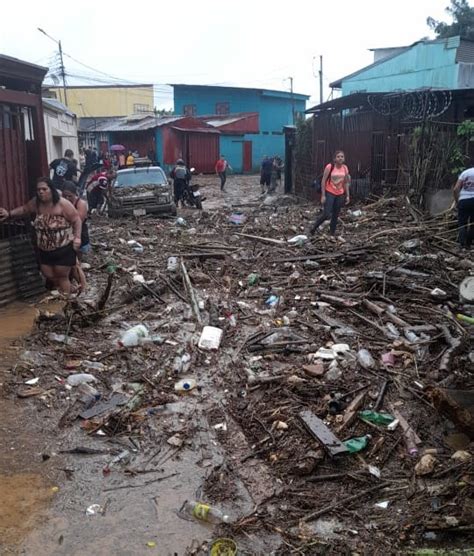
191, 292
343, 502
263, 239
454, 344
350, 413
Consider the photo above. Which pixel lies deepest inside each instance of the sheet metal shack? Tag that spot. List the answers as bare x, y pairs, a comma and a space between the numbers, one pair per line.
22, 160
377, 132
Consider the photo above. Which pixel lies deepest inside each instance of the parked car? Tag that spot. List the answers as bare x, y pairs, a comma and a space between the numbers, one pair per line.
140, 191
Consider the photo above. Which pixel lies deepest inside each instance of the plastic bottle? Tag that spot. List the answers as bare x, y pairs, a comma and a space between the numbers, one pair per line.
376, 418
133, 336
80, 378
357, 444
364, 359
253, 279
185, 385
122, 458
204, 512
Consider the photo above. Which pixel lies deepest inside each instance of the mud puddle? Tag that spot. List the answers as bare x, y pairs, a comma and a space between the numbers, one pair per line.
25, 485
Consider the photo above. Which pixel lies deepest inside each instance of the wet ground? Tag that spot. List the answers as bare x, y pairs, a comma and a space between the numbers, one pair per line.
219, 442
44, 494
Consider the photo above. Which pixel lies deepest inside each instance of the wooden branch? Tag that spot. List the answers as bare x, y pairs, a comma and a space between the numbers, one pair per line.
191, 292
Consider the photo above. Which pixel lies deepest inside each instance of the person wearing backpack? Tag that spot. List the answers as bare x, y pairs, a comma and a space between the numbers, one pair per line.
181, 176
334, 192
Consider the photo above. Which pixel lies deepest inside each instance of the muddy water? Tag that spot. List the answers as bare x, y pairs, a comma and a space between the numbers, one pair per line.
44, 494
24, 492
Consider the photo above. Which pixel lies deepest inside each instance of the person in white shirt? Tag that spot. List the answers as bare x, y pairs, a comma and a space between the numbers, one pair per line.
464, 196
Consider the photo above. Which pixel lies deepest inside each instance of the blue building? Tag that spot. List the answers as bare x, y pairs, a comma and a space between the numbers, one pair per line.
243, 147
428, 64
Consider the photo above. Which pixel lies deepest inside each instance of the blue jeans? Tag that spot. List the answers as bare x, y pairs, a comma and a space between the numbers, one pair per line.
332, 208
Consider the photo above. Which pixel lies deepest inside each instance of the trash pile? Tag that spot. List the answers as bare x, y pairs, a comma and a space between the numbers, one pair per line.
333, 377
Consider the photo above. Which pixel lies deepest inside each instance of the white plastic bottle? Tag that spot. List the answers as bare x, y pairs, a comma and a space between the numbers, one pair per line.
134, 336
205, 513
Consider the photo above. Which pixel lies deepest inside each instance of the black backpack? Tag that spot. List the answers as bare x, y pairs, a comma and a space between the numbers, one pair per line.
317, 181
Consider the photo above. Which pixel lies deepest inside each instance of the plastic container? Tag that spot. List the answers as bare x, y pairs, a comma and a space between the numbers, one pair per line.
204, 512
137, 247
185, 385
80, 378
210, 338
272, 301
172, 264
237, 218
365, 359
134, 336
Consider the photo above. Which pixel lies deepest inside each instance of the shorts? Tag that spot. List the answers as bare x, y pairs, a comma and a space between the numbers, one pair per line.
265, 179
64, 256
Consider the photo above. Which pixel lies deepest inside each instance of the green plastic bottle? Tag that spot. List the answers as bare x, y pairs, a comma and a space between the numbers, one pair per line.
376, 418
357, 443
253, 279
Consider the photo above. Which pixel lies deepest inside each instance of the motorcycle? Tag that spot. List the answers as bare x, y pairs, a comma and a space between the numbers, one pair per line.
191, 194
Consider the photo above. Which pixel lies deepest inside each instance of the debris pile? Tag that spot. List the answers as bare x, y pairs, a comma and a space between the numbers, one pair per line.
325, 375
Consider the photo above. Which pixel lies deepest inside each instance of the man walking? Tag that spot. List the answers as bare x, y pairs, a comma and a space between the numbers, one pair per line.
64, 169
221, 170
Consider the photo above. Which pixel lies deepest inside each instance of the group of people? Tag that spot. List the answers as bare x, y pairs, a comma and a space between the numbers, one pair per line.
60, 219
60, 213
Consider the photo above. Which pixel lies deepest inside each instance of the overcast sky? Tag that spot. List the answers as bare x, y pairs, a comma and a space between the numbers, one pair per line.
248, 43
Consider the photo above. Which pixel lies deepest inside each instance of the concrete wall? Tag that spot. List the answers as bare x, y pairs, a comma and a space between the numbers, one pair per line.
107, 101
61, 134
431, 64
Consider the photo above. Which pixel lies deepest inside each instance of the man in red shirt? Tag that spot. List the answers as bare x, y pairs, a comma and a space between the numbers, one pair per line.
221, 170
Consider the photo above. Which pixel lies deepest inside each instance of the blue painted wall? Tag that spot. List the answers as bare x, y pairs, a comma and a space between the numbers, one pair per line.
274, 109
425, 64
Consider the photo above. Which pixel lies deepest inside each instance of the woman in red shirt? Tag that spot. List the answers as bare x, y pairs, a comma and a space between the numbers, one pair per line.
334, 192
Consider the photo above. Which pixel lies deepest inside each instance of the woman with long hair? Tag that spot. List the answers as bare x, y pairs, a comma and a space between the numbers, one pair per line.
58, 232
334, 192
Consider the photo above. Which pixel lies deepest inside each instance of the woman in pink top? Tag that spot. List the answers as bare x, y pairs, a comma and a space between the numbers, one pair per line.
334, 192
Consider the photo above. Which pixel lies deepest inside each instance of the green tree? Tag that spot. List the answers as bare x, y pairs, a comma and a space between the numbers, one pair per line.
462, 21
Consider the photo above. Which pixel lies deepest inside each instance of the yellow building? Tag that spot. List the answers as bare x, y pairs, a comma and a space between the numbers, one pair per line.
107, 100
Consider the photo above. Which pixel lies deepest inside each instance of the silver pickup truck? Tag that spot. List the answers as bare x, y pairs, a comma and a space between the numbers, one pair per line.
141, 191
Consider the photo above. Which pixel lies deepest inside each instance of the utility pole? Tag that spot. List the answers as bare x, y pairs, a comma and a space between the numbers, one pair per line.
63, 71
320, 79
292, 99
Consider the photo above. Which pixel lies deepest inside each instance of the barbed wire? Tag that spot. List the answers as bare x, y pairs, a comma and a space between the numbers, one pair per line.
412, 106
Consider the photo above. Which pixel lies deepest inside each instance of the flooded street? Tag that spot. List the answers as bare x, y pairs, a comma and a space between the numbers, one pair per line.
44, 494
104, 438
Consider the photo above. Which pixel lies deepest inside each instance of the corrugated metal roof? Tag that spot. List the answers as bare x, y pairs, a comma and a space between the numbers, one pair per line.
57, 106
219, 123
136, 123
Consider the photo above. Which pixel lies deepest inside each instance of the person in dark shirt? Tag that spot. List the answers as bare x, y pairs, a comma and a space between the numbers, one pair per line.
64, 169
181, 176
266, 172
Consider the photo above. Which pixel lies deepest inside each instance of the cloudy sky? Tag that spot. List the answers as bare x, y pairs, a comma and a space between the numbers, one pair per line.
247, 43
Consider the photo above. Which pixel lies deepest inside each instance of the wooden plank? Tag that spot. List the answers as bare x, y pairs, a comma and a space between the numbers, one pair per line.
322, 433
350, 413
